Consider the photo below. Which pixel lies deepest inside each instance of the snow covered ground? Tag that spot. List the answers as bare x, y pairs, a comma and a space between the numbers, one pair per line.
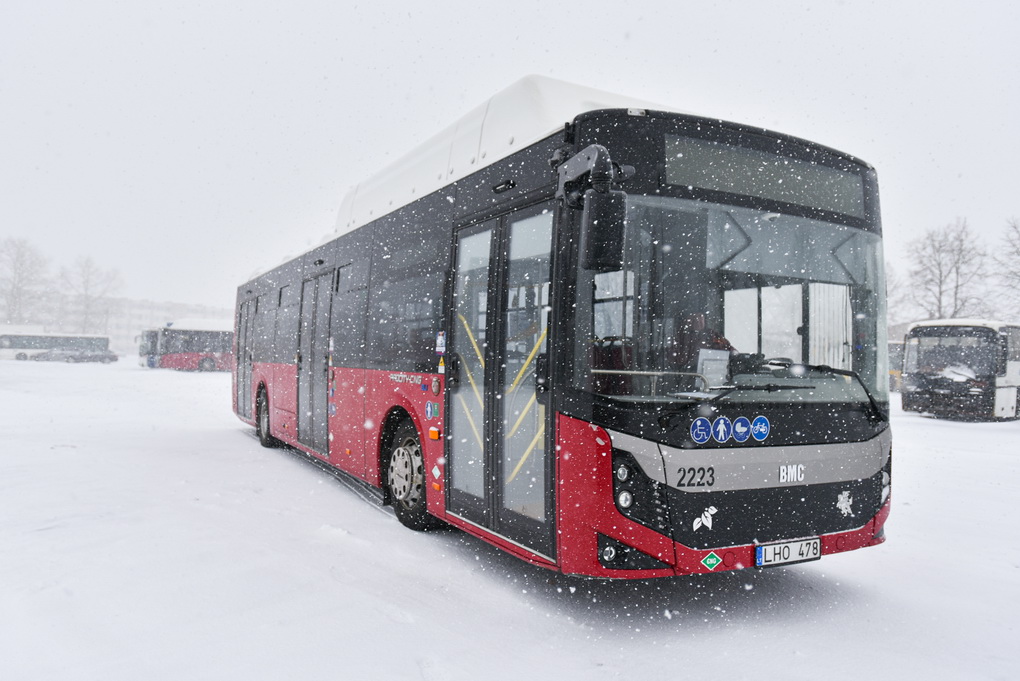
145, 535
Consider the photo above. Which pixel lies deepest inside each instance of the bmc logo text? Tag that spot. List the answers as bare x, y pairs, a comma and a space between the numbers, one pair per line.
793, 472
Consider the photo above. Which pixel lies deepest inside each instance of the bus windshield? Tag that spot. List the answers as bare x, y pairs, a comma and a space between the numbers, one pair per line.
719, 302
955, 352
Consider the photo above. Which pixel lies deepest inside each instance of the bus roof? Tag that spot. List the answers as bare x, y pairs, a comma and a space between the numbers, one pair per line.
201, 324
28, 331
988, 323
527, 111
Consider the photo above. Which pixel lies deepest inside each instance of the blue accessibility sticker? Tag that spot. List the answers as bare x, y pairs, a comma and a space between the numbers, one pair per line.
760, 428
741, 429
701, 430
722, 428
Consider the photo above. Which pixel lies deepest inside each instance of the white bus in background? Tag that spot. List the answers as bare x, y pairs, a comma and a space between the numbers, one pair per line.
24, 343
967, 368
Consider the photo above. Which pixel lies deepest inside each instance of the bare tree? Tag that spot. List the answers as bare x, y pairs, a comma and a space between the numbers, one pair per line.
1007, 261
901, 307
23, 281
89, 287
949, 273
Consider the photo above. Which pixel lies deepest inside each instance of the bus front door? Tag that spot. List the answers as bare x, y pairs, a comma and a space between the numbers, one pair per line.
499, 473
313, 363
243, 358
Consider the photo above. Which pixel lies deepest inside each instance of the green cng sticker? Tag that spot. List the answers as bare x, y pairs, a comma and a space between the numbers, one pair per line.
711, 561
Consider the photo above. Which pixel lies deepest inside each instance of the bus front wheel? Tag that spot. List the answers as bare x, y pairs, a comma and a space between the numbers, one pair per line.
262, 421
405, 480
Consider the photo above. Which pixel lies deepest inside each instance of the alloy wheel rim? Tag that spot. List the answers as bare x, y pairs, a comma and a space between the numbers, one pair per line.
405, 480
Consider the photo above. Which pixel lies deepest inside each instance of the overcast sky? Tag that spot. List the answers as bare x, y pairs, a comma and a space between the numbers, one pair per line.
187, 144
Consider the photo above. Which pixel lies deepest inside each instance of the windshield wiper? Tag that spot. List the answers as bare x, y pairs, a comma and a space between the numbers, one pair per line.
766, 387
833, 371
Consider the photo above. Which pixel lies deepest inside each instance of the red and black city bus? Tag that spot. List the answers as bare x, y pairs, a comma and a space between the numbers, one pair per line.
189, 345
614, 342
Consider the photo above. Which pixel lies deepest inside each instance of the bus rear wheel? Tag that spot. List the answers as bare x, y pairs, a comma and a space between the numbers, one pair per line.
207, 364
262, 421
405, 480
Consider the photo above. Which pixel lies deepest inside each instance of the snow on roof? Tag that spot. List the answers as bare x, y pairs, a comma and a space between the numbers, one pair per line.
15, 330
529, 110
991, 323
202, 324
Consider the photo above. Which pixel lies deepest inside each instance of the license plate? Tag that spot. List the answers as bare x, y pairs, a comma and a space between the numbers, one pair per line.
799, 551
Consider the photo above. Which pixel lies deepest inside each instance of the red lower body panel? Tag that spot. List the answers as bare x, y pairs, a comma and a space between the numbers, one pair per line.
194, 361
361, 402
586, 509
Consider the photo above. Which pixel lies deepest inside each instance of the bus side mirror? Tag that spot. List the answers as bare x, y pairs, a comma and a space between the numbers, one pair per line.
602, 223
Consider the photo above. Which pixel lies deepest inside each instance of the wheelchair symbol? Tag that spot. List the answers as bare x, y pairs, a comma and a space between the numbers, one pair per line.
701, 430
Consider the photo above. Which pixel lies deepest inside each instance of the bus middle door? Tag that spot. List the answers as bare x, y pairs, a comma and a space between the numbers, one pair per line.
313, 363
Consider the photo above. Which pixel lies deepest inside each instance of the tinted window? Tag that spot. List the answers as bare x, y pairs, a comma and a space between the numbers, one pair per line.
405, 301
349, 300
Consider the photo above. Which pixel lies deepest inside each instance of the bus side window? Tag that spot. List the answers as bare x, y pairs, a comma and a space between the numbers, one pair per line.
348, 314
1013, 345
409, 263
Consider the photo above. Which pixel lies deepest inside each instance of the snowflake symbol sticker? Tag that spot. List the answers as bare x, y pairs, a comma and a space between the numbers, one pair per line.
706, 518
844, 504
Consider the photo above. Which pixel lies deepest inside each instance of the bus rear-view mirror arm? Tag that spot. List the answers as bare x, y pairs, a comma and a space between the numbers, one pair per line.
604, 209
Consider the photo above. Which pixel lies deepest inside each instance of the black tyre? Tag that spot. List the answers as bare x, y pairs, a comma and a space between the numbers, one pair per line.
207, 364
262, 421
21, 356
405, 480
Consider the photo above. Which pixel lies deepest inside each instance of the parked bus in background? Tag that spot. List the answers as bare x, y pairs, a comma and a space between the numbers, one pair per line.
895, 365
967, 368
593, 336
189, 345
62, 347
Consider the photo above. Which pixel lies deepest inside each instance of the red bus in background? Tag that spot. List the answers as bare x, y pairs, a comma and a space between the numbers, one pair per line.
189, 345
640, 344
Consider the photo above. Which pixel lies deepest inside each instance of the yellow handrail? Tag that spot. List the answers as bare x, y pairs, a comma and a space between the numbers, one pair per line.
524, 413
471, 422
527, 362
471, 337
527, 453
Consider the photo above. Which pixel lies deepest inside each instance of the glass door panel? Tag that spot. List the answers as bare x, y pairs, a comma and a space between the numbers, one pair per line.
522, 416
468, 384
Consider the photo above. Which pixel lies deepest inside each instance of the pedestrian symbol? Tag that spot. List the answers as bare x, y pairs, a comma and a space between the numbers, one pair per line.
722, 428
701, 430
